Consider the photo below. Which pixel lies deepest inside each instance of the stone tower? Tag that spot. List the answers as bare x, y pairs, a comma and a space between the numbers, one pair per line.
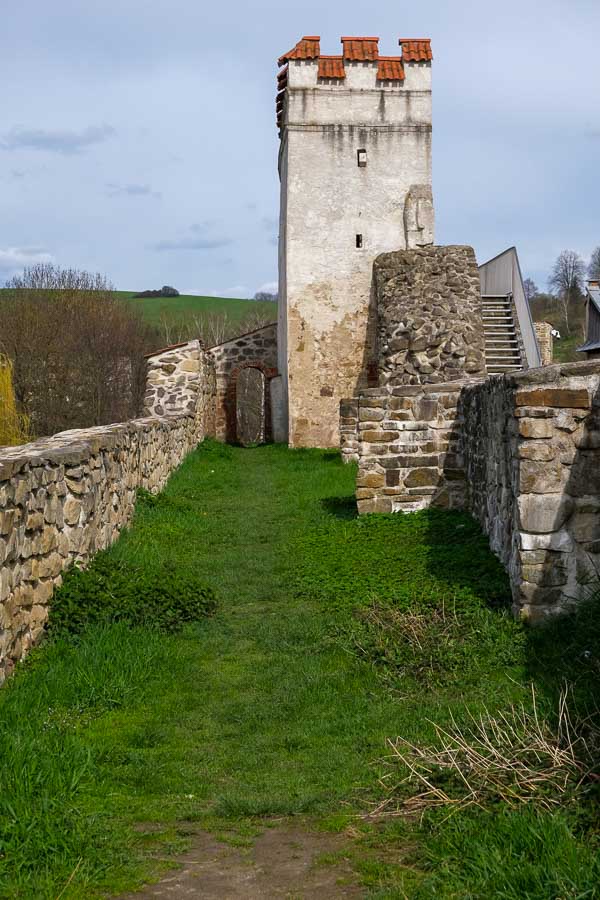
355, 169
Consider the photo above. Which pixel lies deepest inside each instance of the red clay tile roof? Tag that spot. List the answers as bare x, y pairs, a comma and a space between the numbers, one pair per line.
360, 48
416, 49
390, 69
308, 48
331, 67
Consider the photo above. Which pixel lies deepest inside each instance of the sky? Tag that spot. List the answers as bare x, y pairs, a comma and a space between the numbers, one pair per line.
138, 139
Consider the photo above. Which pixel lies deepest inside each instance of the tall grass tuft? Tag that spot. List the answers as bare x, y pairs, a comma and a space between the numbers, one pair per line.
46, 833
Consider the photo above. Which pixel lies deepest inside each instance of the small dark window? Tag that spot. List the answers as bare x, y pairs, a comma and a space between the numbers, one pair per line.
362, 158
359, 241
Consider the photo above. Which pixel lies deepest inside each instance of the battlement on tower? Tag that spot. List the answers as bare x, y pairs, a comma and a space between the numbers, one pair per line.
359, 68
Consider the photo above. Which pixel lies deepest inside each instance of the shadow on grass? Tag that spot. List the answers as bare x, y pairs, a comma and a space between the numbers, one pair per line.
457, 556
566, 651
340, 507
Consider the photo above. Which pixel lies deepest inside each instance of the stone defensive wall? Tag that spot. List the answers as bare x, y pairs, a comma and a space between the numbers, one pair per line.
520, 452
65, 497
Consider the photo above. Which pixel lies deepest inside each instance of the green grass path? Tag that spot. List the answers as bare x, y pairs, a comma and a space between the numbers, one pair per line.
280, 705
268, 714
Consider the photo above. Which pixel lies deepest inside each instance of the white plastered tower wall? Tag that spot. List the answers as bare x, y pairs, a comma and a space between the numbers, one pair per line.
329, 205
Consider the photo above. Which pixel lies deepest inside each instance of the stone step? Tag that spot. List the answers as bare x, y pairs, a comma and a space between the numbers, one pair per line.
502, 351
497, 368
510, 330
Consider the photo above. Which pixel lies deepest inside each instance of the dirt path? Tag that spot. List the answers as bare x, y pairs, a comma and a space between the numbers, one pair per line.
284, 862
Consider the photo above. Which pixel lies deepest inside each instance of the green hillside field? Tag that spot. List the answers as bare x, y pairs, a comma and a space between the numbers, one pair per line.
186, 308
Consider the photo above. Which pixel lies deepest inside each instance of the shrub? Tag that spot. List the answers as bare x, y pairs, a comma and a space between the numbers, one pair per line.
112, 590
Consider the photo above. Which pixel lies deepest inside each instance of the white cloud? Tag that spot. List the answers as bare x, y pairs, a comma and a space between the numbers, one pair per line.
62, 141
269, 287
131, 190
14, 259
238, 291
241, 291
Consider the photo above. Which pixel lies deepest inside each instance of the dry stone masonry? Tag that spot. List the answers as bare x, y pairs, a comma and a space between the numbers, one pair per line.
181, 379
409, 449
430, 325
520, 452
65, 497
531, 446
545, 339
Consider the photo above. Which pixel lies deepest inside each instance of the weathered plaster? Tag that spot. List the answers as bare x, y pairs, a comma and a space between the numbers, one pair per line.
325, 335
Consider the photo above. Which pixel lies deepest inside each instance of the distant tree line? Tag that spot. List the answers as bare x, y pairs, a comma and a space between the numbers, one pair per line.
566, 284
165, 291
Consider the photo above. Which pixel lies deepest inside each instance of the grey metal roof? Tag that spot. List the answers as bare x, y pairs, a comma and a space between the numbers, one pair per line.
594, 295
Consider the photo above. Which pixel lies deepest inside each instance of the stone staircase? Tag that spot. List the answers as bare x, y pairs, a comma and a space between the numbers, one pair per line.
502, 346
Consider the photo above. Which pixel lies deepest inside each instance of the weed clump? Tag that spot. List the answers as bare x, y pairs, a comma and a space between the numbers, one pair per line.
438, 643
164, 596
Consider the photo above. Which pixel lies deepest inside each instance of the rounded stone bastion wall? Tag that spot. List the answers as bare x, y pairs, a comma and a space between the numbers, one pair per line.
430, 327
